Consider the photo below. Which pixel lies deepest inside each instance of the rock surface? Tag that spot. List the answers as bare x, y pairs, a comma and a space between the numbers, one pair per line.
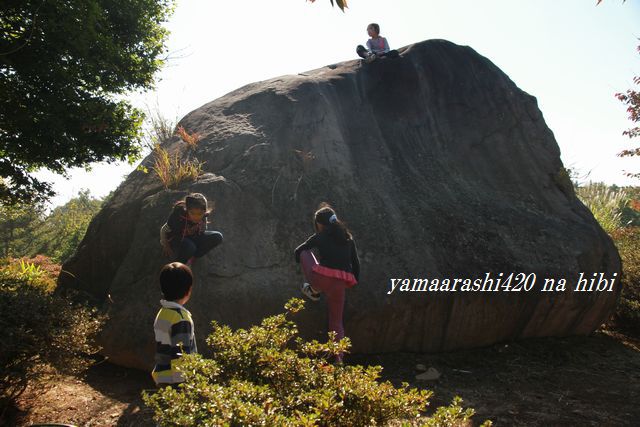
441, 166
430, 374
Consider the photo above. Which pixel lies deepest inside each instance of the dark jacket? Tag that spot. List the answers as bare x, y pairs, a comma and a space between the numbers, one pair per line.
181, 227
333, 254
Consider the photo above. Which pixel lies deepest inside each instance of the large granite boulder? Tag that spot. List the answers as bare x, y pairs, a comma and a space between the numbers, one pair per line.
439, 164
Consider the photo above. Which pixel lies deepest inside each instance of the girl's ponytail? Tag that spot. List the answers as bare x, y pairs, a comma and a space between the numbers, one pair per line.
326, 216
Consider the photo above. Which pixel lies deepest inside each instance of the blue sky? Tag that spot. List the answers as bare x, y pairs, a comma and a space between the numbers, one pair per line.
571, 55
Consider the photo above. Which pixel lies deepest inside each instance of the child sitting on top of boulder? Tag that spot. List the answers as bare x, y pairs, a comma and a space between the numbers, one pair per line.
185, 236
173, 326
377, 45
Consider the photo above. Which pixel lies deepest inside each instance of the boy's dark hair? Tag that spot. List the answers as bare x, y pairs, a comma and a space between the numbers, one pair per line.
337, 229
195, 201
375, 27
175, 281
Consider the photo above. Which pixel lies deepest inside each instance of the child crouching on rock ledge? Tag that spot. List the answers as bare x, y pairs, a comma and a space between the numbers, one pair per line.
338, 269
173, 326
184, 236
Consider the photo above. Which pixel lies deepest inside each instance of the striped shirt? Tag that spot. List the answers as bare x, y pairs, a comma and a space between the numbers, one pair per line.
173, 328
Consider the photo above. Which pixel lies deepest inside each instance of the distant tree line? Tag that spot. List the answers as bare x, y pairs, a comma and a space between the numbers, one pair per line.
28, 229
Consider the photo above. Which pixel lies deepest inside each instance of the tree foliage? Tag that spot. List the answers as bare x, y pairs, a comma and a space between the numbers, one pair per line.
27, 230
342, 4
63, 65
61, 232
631, 98
17, 225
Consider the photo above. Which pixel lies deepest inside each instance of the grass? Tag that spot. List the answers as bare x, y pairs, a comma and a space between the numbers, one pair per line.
172, 170
605, 203
191, 139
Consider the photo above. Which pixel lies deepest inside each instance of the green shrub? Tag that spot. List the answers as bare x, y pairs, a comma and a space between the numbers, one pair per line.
627, 241
453, 415
267, 375
39, 271
40, 331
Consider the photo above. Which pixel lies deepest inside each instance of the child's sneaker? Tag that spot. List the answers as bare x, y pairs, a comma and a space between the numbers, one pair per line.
370, 58
308, 291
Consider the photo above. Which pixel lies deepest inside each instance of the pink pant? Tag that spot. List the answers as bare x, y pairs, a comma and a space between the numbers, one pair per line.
333, 288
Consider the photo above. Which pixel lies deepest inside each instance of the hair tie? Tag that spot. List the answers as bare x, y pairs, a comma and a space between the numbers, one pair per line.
333, 219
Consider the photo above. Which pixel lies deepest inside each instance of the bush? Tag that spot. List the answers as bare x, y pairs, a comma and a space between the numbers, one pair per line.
40, 330
452, 415
39, 271
627, 314
267, 375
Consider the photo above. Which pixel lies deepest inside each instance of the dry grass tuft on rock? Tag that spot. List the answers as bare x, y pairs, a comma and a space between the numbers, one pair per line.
172, 170
191, 139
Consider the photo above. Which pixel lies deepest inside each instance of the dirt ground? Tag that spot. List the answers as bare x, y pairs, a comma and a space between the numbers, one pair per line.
572, 381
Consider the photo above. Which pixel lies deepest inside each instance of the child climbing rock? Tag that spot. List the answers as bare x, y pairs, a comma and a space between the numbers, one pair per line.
185, 236
377, 46
338, 269
173, 326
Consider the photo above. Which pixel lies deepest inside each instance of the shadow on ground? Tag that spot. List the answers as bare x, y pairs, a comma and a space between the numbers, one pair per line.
537, 382
591, 380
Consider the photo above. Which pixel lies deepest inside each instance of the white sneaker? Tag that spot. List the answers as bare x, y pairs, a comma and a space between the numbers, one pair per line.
308, 291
